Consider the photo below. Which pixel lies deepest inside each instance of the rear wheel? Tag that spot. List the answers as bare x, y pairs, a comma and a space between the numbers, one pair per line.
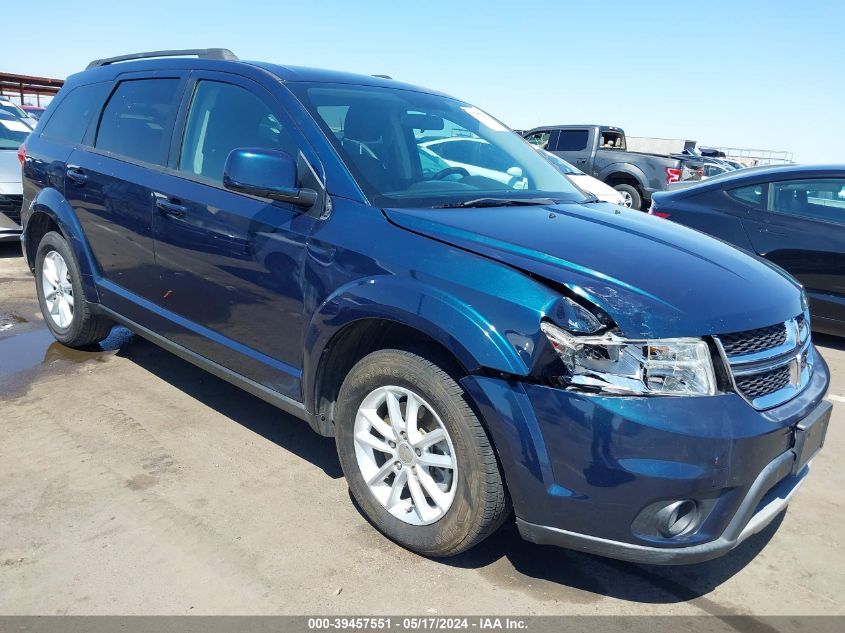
60, 295
418, 461
631, 197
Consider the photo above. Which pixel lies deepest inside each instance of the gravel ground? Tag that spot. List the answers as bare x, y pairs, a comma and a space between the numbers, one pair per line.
133, 483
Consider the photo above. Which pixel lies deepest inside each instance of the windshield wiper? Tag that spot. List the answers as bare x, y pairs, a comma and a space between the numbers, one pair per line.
591, 197
496, 202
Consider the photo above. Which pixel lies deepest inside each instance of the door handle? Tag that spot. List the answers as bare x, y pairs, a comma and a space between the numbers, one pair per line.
169, 207
76, 175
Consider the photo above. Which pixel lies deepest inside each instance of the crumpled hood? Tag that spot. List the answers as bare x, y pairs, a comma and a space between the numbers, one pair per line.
654, 277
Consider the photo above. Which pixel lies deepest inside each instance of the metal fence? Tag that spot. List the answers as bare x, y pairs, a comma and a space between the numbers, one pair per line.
754, 157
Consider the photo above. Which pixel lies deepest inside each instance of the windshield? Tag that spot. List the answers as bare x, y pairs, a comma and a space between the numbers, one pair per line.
11, 108
13, 132
412, 149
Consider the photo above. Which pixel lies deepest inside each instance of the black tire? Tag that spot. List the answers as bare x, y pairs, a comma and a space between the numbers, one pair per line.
633, 192
85, 327
480, 503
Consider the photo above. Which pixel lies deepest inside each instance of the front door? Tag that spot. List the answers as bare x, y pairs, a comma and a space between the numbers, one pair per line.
232, 263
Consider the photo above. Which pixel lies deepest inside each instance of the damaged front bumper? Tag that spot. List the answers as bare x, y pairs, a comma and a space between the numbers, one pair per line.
594, 473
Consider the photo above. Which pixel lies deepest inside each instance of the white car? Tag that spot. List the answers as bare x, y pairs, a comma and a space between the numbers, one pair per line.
477, 157
603, 192
10, 107
13, 132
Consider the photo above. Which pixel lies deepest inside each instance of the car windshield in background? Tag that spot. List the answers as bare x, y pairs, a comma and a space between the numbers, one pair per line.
412, 149
10, 108
13, 132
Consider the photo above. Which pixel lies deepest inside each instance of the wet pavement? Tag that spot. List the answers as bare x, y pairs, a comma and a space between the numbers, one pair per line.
132, 482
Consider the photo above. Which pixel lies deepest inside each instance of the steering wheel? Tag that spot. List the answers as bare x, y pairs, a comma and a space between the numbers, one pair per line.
443, 173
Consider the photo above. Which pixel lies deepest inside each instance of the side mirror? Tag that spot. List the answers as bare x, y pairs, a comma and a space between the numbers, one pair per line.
266, 173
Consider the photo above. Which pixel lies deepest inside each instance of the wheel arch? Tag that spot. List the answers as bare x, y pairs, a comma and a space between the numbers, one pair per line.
618, 175
376, 314
50, 211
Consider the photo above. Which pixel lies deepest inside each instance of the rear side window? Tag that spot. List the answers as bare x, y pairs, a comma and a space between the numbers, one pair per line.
572, 140
137, 119
224, 117
753, 194
74, 113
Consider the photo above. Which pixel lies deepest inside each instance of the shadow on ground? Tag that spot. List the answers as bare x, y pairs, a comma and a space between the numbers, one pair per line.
828, 340
250, 412
8, 250
615, 579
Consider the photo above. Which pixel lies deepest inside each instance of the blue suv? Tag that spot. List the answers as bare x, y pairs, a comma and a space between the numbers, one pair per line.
404, 273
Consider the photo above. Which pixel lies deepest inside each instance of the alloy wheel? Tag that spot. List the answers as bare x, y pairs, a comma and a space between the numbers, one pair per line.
57, 289
405, 455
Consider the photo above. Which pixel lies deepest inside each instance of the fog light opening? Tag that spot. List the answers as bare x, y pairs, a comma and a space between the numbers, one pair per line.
677, 518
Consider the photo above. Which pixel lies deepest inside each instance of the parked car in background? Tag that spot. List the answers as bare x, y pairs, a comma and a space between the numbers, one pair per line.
603, 192
13, 109
34, 111
13, 132
710, 169
474, 346
477, 158
792, 215
600, 151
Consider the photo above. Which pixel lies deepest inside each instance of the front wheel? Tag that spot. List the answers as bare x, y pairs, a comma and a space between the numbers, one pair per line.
61, 297
631, 197
418, 461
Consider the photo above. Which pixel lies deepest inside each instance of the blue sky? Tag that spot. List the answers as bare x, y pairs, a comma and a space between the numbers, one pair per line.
740, 73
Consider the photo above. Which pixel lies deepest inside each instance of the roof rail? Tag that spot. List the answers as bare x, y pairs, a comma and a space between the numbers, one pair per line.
383, 76
201, 53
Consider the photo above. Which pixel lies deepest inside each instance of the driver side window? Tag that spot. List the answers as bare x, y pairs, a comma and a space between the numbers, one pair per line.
224, 117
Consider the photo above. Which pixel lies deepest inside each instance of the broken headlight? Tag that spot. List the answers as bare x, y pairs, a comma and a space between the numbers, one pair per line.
611, 364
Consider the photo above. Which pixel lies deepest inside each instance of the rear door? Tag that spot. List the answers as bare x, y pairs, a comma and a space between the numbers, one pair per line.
801, 227
232, 263
111, 185
574, 146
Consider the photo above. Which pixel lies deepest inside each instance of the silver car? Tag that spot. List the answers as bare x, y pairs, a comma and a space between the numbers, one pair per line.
13, 132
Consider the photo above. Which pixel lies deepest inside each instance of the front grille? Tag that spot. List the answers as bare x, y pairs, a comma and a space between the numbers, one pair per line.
754, 341
759, 385
10, 206
771, 364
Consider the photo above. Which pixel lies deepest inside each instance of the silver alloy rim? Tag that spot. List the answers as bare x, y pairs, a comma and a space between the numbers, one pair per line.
627, 200
405, 455
57, 289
